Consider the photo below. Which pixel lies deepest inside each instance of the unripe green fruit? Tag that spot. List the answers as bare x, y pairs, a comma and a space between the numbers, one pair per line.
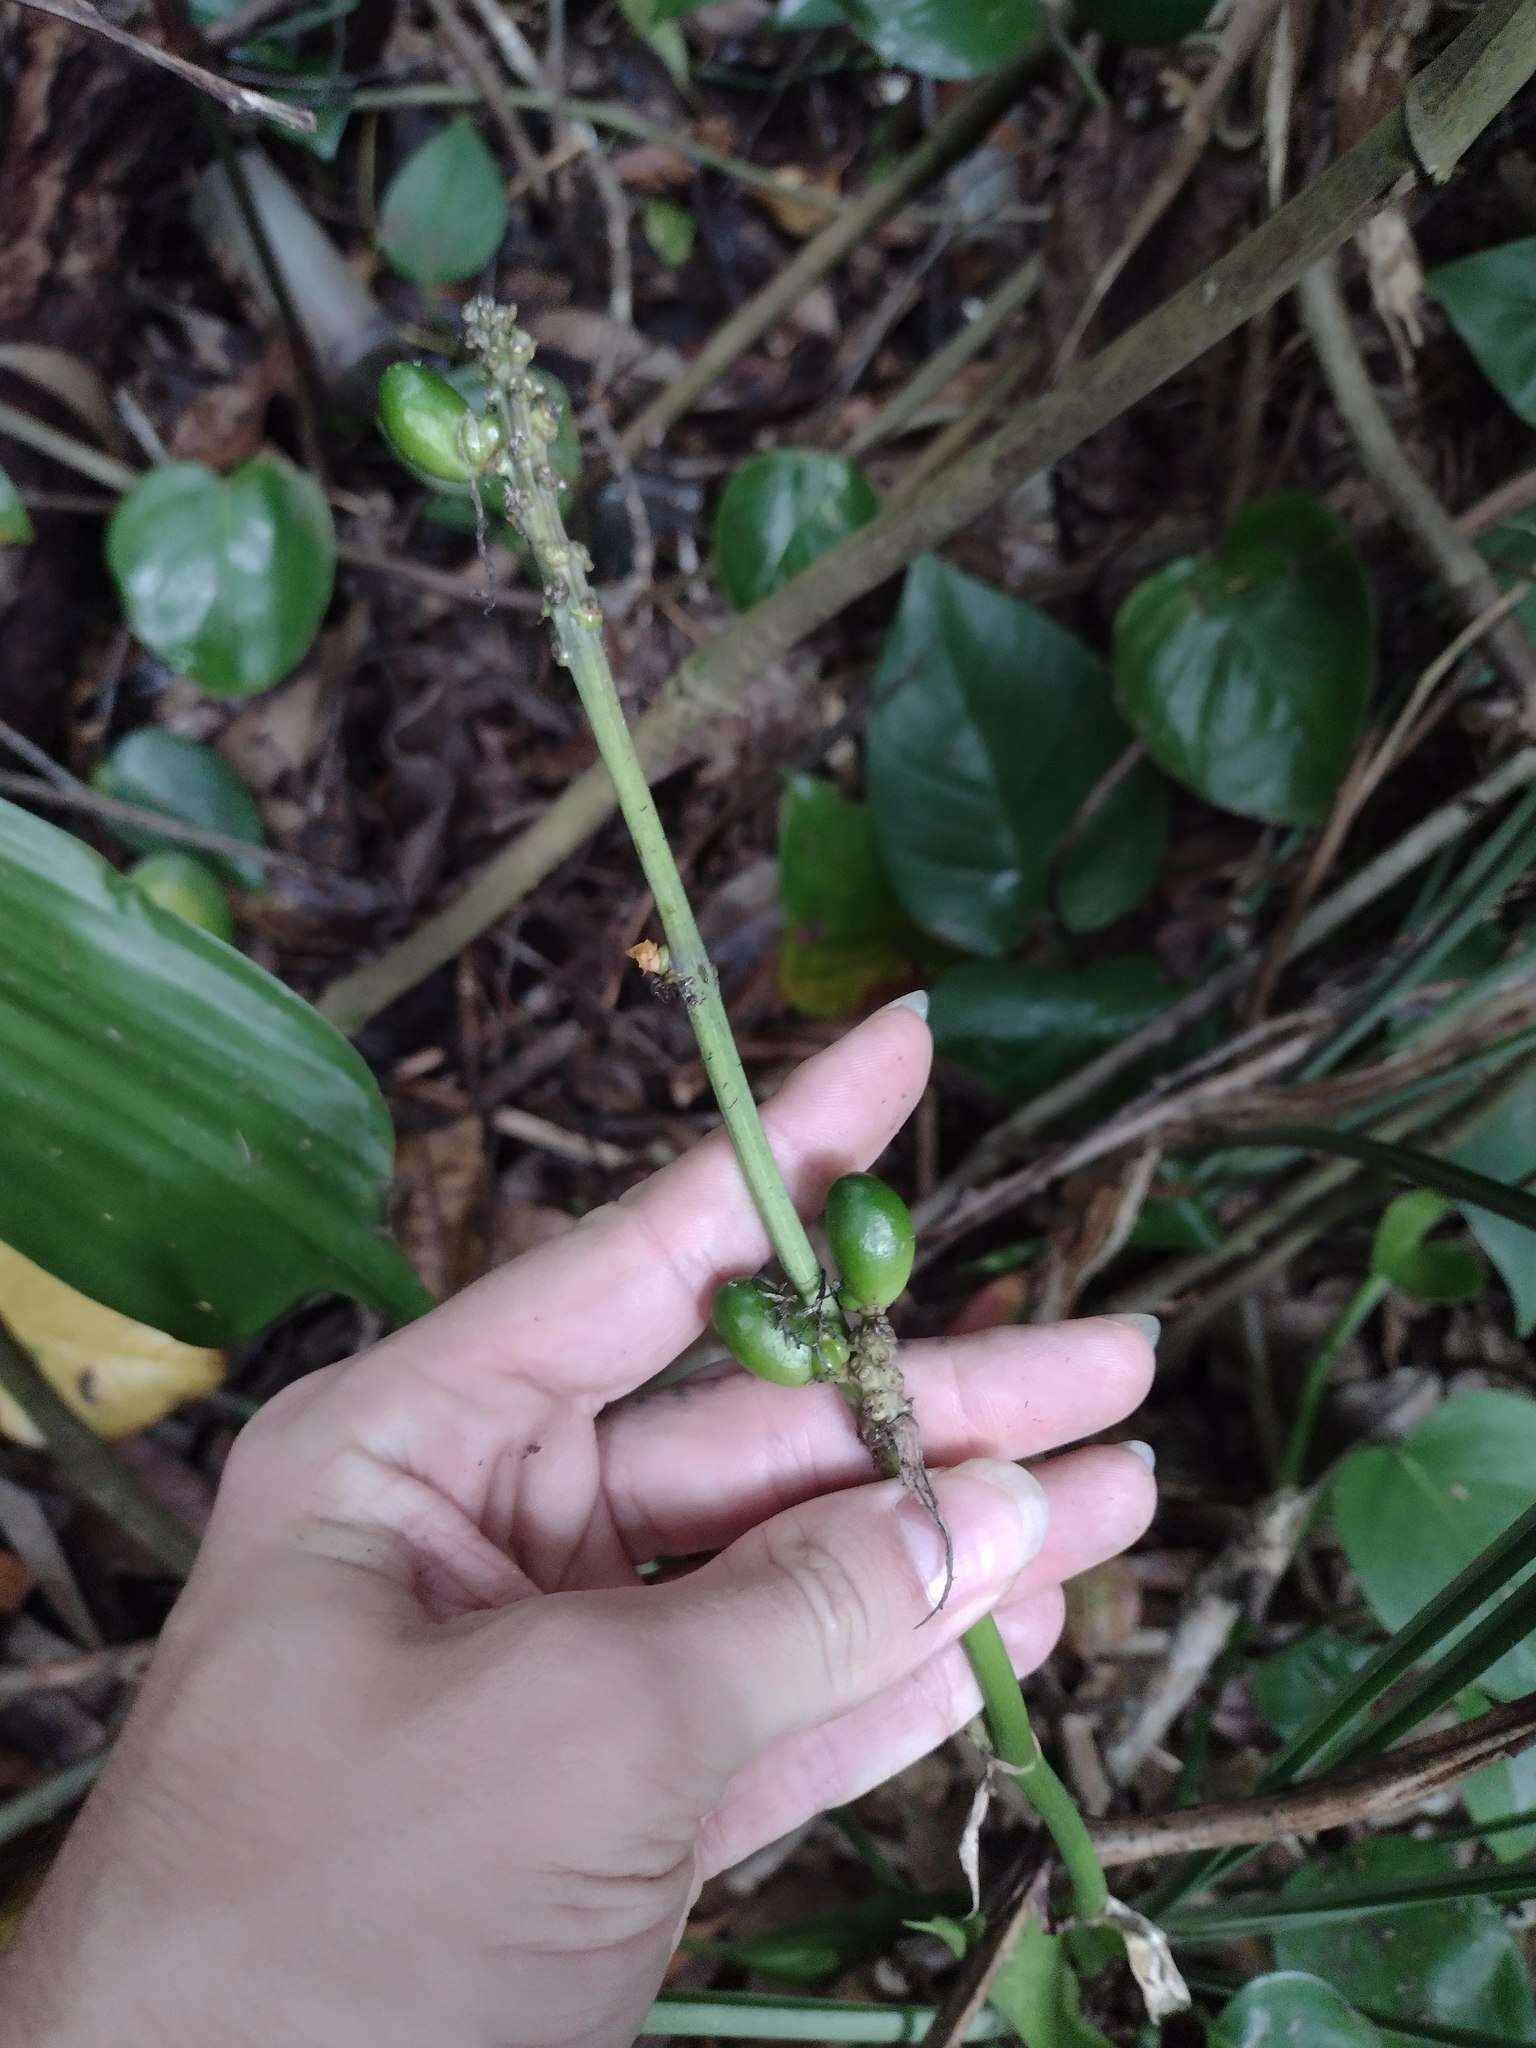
788, 1345
432, 428
758, 1334
869, 1228
186, 885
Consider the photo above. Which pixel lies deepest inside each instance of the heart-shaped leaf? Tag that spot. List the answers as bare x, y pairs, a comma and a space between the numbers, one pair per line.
444, 211
779, 512
1294, 2008
1020, 1027
1289, 1686
15, 520
164, 771
1246, 673
945, 38
1401, 1256
1491, 300
1114, 860
1410, 1516
844, 931
226, 579
1454, 1961
990, 726
117, 1375
181, 1138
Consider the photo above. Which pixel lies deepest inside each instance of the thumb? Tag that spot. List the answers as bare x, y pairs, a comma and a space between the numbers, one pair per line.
822, 1607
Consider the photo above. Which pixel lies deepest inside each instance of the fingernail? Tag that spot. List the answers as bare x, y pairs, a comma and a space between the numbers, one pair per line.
916, 1002
992, 1541
1150, 1327
1141, 1450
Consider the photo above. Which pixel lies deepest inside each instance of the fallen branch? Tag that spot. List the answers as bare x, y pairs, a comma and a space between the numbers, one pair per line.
1446, 106
236, 99
1403, 1778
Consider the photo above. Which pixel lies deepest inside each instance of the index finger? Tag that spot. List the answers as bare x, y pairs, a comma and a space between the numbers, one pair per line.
601, 1309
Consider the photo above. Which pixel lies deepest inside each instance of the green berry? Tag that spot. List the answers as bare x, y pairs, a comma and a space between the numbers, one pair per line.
869, 1228
788, 1345
186, 885
432, 428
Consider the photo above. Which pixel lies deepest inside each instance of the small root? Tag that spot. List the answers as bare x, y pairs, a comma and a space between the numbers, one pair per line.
888, 1429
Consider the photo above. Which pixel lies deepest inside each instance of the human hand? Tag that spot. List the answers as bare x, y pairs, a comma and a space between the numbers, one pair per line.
421, 1760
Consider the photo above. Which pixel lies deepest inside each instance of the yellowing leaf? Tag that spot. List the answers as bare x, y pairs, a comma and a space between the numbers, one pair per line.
118, 1375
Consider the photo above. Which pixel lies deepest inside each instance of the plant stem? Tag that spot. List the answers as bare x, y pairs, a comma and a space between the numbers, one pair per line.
533, 505
1360, 1307
1017, 1745
578, 641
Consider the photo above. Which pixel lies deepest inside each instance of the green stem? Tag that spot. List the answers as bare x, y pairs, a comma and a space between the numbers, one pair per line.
1018, 1746
1360, 1307
578, 640
533, 506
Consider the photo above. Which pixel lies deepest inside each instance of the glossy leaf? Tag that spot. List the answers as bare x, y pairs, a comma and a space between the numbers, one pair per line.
163, 771
1410, 1515
15, 520
444, 212
1292, 2008
990, 726
945, 38
844, 931
116, 1374
1491, 300
226, 579
1504, 1147
1246, 673
1500, 1790
1114, 861
1288, 1685
1453, 1961
181, 1138
779, 512
1149, 22
1403, 1256
1018, 1027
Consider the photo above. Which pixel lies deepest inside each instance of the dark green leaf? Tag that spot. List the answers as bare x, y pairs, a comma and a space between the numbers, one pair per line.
1036, 1991
670, 229
945, 38
444, 211
810, 1951
1511, 548
1294, 2009
1018, 1028
1114, 861
181, 1137
1402, 1257
1454, 1960
1504, 1147
810, 14
1246, 673
1143, 21
225, 579
1491, 300
1288, 1685
1403, 1162
162, 771
989, 728
1409, 1516
1264, 1913
779, 512
844, 931
1500, 1790
15, 521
